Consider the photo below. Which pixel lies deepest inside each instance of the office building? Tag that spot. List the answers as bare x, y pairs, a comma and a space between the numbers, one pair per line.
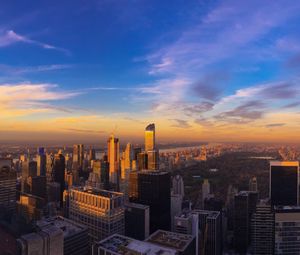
253, 184
48, 241
133, 186
287, 226
121, 245
41, 162
183, 244
153, 160
154, 190
36, 186
137, 221
113, 154
78, 156
142, 159
210, 231
101, 211
205, 190
284, 183
8, 179
49, 167
178, 185
59, 173
75, 236
128, 156
150, 138
92, 154
262, 229
244, 207
30, 207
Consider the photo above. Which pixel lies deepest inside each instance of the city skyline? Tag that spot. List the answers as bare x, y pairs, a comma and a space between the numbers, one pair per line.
201, 71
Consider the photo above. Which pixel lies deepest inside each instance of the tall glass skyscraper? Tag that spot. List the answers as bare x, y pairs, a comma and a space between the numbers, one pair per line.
113, 154
284, 182
150, 138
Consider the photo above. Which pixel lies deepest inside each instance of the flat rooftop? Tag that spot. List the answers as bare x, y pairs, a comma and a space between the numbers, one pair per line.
287, 209
98, 192
123, 245
173, 240
284, 163
136, 205
68, 227
210, 214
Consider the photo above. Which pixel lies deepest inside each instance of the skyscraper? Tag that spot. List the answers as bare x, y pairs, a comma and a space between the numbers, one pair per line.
154, 190
113, 153
8, 179
150, 138
129, 155
78, 156
153, 160
284, 182
59, 173
253, 184
41, 162
262, 229
244, 207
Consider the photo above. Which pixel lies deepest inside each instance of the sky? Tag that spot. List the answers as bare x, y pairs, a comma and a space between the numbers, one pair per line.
201, 70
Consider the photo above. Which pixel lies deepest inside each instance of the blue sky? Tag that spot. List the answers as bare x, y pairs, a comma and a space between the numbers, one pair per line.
195, 67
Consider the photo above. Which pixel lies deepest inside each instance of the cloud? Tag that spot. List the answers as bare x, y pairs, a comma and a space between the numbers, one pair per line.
28, 98
292, 105
198, 108
211, 85
180, 123
10, 37
244, 113
13, 70
272, 125
84, 130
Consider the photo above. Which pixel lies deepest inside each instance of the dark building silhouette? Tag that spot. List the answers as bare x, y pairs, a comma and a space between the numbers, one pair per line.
154, 188
284, 183
59, 173
41, 162
142, 159
137, 220
244, 207
133, 186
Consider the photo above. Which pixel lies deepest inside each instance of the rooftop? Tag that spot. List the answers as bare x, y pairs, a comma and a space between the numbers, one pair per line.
284, 163
98, 192
210, 214
170, 239
287, 209
123, 245
136, 205
68, 227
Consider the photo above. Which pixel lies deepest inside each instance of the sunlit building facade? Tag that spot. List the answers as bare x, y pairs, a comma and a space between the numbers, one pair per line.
113, 154
150, 137
100, 210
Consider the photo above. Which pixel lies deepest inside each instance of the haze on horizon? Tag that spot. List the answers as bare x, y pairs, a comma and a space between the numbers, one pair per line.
200, 70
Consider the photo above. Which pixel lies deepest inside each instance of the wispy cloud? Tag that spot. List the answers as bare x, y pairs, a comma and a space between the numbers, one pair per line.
14, 70
272, 125
178, 123
10, 37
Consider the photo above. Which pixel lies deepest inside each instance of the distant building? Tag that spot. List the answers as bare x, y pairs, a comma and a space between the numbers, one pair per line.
183, 244
101, 211
253, 184
133, 186
150, 138
8, 179
128, 156
120, 245
154, 190
78, 155
41, 162
262, 230
75, 235
59, 173
137, 221
178, 185
142, 159
113, 153
287, 234
284, 183
205, 190
153, 160
244, 207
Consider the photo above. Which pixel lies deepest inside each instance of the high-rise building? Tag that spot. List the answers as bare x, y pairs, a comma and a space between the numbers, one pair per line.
78, 156
49, 241
177, 185
244, 207
75, 235
287, 234
49, 167
253, 184
205, 190
8, 178
120, 245
101, 211
262, 229
92, 154
137, 221
284, 183
133, 186
128, 156
154, 190
113, 154
36, 186
59, 173
150, 138
41, 162
142, 159
210, 230
153, 160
